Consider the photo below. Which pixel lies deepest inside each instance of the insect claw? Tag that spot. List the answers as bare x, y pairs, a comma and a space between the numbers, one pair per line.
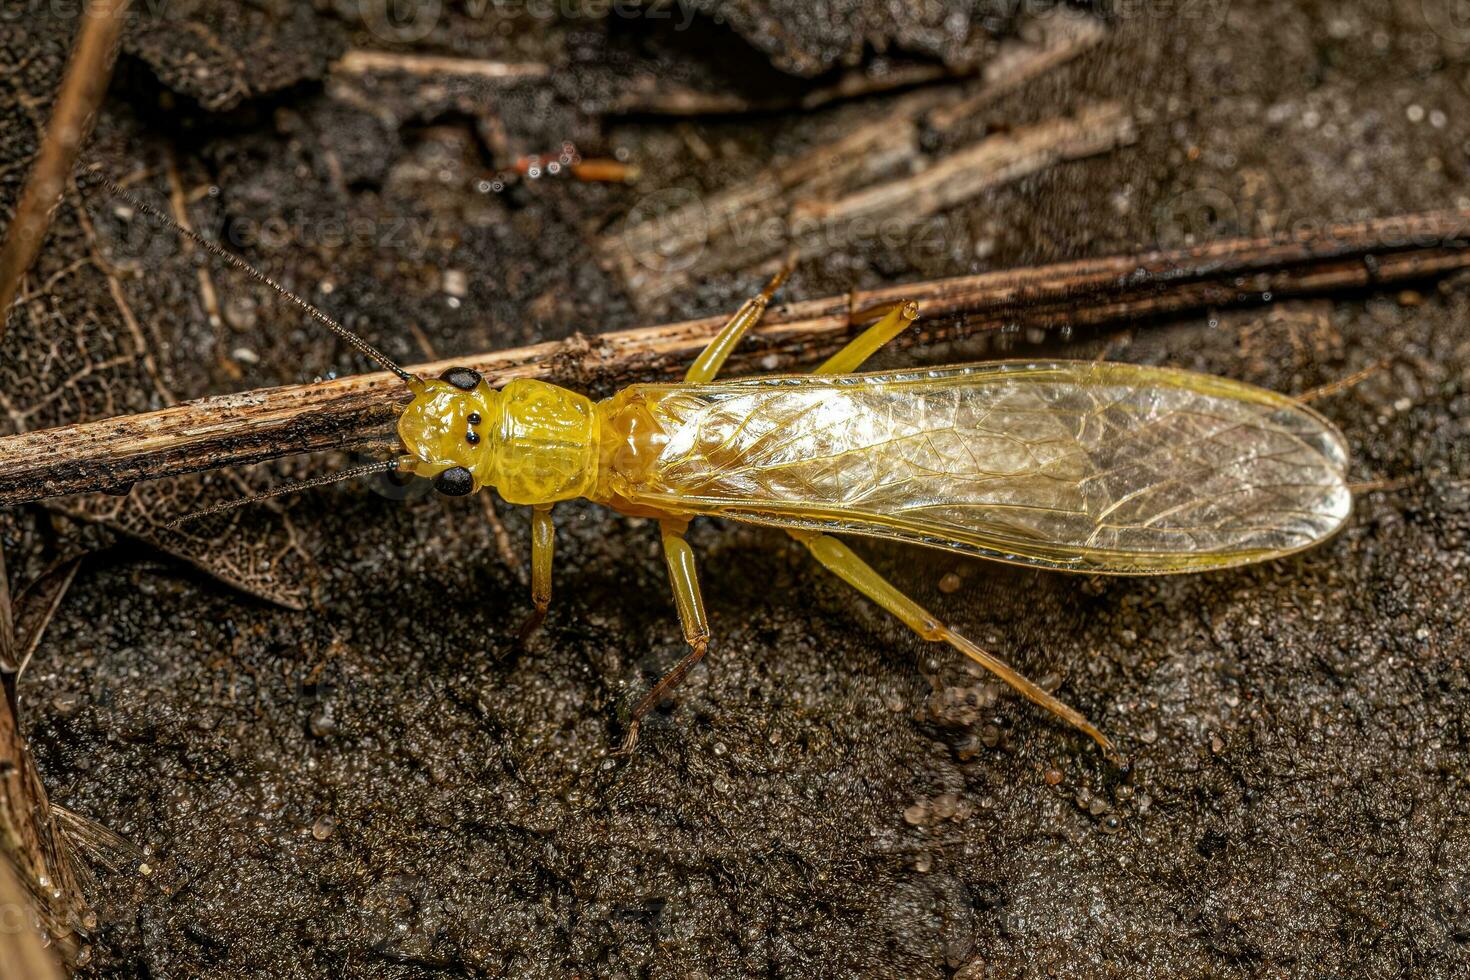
531, 625
788, 265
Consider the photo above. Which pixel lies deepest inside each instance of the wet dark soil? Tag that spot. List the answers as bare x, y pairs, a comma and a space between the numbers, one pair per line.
386, 784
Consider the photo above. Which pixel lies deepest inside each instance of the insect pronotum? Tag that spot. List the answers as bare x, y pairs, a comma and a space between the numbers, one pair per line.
1078, 466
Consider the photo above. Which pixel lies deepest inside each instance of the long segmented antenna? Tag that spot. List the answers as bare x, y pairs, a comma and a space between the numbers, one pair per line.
320, 481
362, 346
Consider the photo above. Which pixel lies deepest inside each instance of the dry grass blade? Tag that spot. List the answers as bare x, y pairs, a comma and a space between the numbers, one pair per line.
29, 840
37, 605
76, 108
348, 412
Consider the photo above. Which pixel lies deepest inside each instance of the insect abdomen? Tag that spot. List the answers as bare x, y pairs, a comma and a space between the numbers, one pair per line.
1107, 468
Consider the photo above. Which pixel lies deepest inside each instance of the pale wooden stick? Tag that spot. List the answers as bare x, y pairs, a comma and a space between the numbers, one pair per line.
348, 412
359, 61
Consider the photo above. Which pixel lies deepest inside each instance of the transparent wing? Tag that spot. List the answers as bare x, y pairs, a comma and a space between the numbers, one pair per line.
1106, 468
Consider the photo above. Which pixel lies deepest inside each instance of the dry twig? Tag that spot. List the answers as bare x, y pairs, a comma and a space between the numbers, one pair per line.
875, 177
71, 121
359, 61
269, 423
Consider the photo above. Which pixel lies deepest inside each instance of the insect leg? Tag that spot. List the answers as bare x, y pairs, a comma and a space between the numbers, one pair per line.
840, 560
865, 344
543, 547
713, 357
680, 559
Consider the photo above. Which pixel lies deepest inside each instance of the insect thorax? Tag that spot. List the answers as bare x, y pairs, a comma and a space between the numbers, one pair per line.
546, 448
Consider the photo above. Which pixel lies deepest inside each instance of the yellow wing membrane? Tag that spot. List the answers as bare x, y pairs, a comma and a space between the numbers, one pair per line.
1081, 466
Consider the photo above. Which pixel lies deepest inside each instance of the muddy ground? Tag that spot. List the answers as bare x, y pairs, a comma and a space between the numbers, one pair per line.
382, 784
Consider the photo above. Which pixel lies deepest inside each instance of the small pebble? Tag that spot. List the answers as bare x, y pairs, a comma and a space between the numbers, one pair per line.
950, 583
1053, 777
456, 283
944, 805
916, 814
324, 827
973, 970
240, 312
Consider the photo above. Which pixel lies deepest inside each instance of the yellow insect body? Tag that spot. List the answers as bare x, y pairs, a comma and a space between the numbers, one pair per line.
1079, 466
1072, 465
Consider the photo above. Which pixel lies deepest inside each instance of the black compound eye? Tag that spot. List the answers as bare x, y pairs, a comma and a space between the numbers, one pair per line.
473, 418
454, 482
462, 378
